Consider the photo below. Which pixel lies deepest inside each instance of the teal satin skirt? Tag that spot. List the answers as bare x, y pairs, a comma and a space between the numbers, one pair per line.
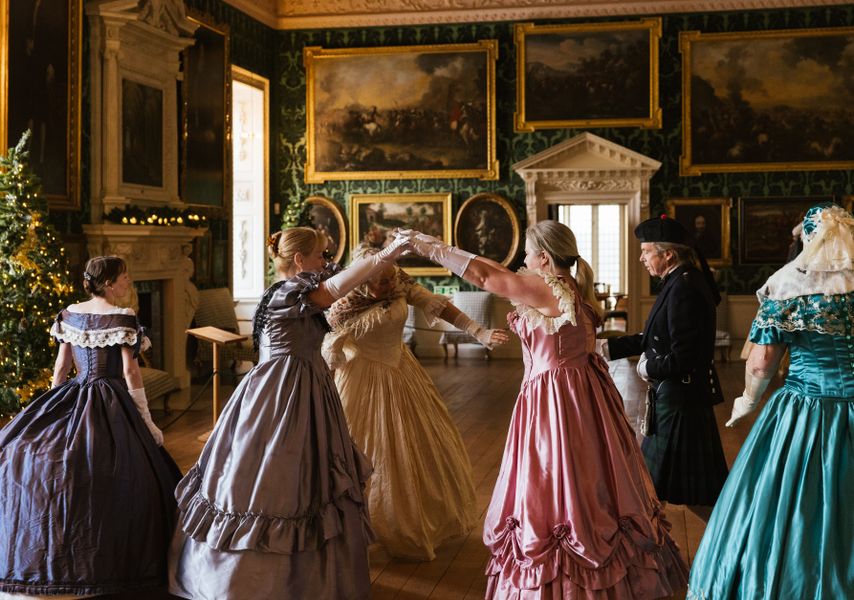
783, 527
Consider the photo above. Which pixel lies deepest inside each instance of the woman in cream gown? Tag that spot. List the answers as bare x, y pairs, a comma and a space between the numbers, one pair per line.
421, 491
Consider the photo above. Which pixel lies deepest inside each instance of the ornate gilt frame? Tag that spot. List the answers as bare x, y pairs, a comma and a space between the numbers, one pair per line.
313, 54
335, 209
652, 121
511, 214
71, 199
357, 200
725, 204
687, 166
221, 29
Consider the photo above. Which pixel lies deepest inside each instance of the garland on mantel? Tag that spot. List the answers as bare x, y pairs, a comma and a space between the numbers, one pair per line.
163, 216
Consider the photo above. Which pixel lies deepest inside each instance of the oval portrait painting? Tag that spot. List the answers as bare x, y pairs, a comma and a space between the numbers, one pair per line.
488, 226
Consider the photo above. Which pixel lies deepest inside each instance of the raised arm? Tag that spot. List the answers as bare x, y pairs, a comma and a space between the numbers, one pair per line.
484, 273
460, 320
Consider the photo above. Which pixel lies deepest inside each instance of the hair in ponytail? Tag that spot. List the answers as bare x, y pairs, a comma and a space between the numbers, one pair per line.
558, 241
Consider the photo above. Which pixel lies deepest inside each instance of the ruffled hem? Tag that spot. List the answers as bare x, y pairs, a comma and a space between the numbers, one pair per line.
565, 301
633, 550
203, 521
77, 590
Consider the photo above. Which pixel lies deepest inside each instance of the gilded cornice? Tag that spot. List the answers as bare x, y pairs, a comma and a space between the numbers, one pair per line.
324, 14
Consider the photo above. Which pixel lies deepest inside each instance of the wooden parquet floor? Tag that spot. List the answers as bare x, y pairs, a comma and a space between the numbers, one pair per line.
480, 396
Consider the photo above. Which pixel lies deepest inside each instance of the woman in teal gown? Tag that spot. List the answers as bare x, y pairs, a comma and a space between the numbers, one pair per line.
783, 526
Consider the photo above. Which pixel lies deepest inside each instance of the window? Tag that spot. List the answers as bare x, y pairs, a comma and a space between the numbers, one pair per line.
598, 230
249, 210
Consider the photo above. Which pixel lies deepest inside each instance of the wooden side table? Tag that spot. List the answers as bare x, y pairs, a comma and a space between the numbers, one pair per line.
217, 337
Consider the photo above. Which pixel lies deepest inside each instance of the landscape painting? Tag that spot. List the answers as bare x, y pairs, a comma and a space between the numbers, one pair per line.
767, 100
587, 75
401, 112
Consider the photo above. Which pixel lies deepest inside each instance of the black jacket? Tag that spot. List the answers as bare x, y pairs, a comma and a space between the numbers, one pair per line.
679, 335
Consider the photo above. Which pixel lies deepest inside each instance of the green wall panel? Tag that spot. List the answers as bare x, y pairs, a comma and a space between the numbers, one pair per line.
289, 117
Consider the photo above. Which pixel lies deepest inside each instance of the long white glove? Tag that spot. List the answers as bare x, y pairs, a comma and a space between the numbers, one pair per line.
474, 329
141, 402
364, 268
745, 404
641, 368
452, 258
603, 350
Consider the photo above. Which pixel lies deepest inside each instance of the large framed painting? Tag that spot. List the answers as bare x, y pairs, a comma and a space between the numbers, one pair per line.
765, 227
142, 134
326, 216
406, 112
40, 80
587, 75
487, 225
373, 218
767, 100
707, 220
206, 92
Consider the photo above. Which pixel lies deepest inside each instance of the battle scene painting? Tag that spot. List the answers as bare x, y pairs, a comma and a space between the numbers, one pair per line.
401, 113
775, 100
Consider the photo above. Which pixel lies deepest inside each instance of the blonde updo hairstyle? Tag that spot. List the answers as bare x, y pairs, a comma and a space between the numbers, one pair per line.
283, 246
100, 272
558, 241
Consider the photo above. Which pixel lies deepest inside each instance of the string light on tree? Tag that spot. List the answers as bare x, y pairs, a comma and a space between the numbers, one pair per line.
33, 289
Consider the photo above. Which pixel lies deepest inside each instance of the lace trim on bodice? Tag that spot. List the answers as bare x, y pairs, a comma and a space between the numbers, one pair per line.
98, 338
333, 343
565, 302
829, 315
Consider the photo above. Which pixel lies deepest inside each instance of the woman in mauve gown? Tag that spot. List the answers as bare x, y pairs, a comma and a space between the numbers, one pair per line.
573, 513
274, 506
86, 489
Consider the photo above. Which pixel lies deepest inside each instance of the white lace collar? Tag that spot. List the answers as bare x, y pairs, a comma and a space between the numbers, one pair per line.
565, 302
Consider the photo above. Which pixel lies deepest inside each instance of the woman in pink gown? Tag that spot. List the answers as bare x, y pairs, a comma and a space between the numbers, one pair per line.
574, 513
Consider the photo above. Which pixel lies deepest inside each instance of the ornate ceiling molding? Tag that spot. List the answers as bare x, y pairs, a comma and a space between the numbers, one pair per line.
314, 14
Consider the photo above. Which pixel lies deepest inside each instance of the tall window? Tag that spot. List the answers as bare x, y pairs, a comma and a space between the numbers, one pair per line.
598, 230
249, 95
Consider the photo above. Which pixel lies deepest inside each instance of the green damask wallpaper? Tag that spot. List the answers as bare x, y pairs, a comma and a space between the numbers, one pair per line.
289, 122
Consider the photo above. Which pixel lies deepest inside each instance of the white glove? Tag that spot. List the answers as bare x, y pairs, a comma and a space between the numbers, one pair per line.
141, 402
450, 257
474, 329
364, 268
642, 368
602, 349
742, 407
745, 404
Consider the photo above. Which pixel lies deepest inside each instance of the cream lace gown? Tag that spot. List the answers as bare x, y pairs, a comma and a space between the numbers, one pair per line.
421, 491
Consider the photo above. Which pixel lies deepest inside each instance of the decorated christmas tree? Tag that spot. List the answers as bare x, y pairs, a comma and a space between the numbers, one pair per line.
33, 283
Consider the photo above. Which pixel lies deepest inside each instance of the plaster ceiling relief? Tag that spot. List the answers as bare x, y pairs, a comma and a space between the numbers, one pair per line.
308, 14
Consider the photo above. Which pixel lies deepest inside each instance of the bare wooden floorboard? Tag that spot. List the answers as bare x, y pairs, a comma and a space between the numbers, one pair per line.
480, 396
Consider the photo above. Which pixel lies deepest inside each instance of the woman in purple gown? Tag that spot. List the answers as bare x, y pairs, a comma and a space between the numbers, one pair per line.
86, 493
274, 508
573, 513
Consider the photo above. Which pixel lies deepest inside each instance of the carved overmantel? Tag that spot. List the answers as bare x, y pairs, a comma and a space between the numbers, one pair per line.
135, 50
588, 169
157, 254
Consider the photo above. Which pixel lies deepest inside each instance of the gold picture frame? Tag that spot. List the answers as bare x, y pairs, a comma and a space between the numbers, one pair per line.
708, 222
550, 82
364, 123
206, 160
326, 216
40, 79
487, 224
374, 216
741, 113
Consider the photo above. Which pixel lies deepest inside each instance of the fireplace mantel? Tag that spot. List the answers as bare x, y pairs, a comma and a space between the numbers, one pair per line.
157, 253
